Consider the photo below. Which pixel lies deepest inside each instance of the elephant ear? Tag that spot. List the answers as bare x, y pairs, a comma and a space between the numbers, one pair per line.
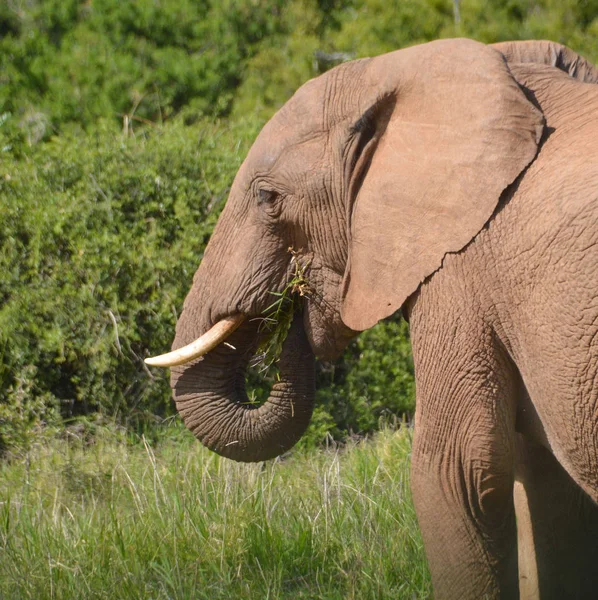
441, 130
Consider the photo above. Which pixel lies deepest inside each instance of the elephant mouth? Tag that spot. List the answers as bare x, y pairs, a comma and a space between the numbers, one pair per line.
273, 324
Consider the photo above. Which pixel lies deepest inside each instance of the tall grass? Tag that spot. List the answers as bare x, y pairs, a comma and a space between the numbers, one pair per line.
110, 517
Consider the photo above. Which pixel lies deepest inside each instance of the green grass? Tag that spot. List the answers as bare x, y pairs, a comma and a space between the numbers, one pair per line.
106, 516
279, 315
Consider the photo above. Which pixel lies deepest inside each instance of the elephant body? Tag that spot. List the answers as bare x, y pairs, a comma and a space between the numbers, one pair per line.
517, 311
483, 227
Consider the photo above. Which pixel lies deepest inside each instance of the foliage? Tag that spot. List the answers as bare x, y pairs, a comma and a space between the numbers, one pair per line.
64, 61
100, 514
114, 167
373, 383
26, 416
102, 234
279, 315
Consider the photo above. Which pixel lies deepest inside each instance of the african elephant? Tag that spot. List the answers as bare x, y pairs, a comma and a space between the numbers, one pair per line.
458, 182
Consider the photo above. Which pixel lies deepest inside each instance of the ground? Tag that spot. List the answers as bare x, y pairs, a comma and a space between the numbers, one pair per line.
109, 515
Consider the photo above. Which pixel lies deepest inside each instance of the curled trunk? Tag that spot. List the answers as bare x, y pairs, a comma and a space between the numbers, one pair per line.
210, 396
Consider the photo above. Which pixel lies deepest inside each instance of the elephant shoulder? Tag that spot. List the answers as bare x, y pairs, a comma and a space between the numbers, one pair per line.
569, 105
544, 52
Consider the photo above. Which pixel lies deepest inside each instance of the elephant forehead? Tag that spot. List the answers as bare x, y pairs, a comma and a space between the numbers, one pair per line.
299, 121
297, 148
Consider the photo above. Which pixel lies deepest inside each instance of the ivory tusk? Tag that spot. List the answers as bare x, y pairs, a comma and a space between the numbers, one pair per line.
202, 345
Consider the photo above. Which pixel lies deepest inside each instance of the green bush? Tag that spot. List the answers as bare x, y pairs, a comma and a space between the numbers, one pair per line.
113, 172
67, 61
373, 382
101, 237
63, 61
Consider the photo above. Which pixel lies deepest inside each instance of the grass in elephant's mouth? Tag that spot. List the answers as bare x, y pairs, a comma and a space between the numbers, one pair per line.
279, 315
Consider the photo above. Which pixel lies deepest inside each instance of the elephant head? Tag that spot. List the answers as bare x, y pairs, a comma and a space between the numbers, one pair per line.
371, 173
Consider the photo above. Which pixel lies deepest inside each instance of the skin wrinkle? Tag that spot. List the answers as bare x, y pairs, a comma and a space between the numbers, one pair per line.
498, 241
246, 424
271, 168
466, 446
566, 246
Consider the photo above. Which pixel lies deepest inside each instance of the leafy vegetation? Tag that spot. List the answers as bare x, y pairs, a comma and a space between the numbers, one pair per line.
279, 315
102, 236
67, 61
99, 514
122, 125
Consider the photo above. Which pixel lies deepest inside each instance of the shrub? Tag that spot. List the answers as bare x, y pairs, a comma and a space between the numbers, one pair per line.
102, 234
77, 62
373, 382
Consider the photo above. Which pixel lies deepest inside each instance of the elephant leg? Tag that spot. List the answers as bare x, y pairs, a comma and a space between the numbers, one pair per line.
463, 459
564, 524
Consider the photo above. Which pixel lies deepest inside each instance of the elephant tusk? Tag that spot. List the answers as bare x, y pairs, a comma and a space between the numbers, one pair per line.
202, 345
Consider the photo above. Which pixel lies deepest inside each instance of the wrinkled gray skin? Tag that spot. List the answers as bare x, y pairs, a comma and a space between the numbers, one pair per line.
462, 188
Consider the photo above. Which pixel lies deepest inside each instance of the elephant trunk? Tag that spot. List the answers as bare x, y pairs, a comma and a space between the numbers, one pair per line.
210, 396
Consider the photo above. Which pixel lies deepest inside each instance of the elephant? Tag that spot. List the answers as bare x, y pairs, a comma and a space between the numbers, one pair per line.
456, 182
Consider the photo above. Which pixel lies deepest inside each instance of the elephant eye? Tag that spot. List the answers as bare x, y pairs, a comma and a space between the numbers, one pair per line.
266, 196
